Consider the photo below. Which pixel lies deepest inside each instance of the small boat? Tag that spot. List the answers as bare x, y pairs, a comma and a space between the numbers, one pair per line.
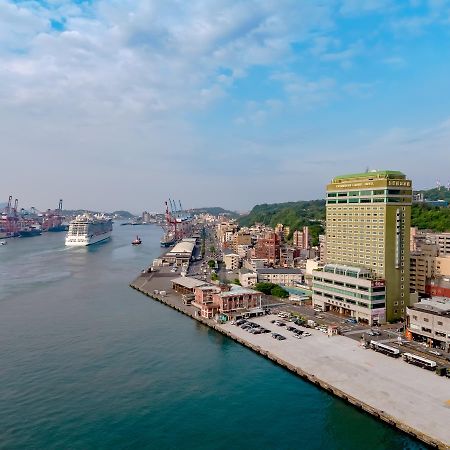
2, 242
137, 241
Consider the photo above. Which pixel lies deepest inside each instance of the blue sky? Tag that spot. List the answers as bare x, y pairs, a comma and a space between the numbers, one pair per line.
121, 104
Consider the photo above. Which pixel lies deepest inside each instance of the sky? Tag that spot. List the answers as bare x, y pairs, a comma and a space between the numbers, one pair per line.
121, 104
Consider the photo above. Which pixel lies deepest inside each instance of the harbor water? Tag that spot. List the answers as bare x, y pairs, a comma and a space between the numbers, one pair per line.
88, 363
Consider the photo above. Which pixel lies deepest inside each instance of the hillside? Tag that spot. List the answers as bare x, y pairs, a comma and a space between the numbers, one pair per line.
312, 213
427, 217
293, 214
214, 210
435, 194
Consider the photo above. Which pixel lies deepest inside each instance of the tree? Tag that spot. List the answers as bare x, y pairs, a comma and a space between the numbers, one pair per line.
211, 263
236, 281
278, 291
272, 289
212, 249
214, 276
264, 287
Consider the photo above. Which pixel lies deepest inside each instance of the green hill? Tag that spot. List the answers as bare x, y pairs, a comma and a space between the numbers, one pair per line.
428, 217
215, 211
293, 214
312, 213
435, 194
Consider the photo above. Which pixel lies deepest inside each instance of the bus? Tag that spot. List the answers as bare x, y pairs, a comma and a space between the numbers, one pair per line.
386, 349
419, 361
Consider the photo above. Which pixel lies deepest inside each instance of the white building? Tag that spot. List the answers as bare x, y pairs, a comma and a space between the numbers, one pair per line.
287, 277
232, 261
352, 291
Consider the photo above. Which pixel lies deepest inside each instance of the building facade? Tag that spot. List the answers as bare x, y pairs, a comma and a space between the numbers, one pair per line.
268, 248
368, 225
237, 300
232, 261
300, 238
287, 277
429, 321
352, 291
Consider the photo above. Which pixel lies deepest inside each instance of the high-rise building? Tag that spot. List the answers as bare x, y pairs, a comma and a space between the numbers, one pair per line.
268, 248
368, 226
301, 238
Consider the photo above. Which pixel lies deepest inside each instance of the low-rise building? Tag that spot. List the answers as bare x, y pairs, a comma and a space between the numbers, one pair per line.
352, 291
247, 278
237, 300
442, 268
442, 240
232, 261
254, 264
285, 276
204, 300
186, 285
438, 287
181, 252
429, 321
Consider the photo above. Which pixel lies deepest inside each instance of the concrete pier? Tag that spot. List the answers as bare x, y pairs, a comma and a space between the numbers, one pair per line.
406, 397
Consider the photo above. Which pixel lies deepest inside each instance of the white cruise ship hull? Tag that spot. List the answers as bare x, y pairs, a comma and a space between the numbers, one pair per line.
83, 241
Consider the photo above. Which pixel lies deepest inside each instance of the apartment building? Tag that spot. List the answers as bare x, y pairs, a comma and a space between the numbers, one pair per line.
301, 238
232, 261
268, 248
442, 240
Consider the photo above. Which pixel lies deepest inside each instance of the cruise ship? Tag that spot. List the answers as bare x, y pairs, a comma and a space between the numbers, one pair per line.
87, 229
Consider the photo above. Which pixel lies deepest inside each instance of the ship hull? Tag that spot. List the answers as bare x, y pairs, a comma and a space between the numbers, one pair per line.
84, 241
58, 228
167, 244
30, 233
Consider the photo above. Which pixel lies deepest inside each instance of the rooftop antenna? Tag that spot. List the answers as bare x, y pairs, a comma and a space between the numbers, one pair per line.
438, 184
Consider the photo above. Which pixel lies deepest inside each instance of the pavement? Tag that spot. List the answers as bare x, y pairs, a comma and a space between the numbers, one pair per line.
413, 395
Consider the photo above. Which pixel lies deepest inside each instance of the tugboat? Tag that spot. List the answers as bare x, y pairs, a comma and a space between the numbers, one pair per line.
137, 241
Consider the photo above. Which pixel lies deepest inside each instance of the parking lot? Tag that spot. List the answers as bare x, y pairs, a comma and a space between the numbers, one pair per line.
414, 395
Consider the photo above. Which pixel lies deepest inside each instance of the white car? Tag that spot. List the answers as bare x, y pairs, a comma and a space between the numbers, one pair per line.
435, 352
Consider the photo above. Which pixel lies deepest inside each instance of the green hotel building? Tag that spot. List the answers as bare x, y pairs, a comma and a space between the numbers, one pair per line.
368, 218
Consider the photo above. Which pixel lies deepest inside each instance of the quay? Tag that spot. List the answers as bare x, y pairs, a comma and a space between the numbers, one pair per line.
406, 397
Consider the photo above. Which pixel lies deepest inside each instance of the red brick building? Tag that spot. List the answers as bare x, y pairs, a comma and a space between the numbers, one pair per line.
212, 300
439, 287
268, 248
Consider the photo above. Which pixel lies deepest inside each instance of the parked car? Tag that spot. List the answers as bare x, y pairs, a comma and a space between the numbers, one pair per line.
374, 333
435, 352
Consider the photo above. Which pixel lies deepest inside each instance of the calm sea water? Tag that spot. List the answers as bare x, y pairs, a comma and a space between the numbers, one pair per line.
88, 363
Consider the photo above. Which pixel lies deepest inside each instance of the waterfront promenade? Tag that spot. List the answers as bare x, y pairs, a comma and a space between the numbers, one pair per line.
407, 397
